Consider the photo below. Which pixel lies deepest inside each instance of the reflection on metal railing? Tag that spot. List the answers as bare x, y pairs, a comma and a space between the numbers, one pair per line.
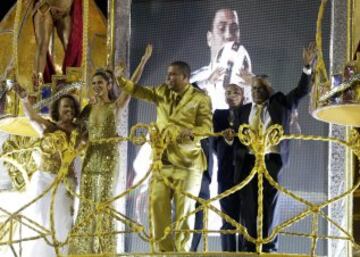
159, 139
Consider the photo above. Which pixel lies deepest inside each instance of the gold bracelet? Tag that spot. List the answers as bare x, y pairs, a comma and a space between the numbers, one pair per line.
122, 81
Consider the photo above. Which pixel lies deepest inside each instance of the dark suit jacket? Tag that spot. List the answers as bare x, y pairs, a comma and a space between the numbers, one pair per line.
206, 146
280, 107
224, 151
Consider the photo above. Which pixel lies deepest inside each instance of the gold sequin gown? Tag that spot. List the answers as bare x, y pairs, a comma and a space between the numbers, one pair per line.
92, 230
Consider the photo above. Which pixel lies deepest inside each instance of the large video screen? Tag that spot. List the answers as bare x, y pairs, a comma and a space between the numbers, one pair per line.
264, 37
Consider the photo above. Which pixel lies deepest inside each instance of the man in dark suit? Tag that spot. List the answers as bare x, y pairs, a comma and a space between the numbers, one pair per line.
268, 108
224, 120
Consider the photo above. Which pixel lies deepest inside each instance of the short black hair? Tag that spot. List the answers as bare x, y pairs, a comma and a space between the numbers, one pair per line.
184, 67
212, 18
54, 110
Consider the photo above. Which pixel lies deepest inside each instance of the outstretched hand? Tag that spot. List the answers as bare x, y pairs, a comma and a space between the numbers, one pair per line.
309, 53
148, 52
216, 75
119, 69
246, 76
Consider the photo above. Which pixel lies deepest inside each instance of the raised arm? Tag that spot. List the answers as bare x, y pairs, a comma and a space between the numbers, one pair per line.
303, 87
204, 82
124, 97
135, 77
39, 123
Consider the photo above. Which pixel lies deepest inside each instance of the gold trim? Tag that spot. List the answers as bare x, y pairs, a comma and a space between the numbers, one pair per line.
85, 44
252, 137
110, 60
349, 30
16, 35
16, 31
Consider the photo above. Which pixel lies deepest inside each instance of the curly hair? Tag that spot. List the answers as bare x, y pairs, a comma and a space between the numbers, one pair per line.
54, 110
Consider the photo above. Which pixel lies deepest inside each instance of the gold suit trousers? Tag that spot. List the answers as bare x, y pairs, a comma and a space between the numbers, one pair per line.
186, 180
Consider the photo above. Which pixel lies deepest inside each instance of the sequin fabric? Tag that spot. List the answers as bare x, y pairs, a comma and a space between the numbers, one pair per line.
94, 228
51, 145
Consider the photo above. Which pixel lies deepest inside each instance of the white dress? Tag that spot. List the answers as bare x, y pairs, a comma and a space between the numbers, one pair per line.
41, 214
40, 211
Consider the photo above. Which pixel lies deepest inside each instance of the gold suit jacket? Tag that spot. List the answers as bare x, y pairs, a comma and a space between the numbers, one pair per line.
193, 111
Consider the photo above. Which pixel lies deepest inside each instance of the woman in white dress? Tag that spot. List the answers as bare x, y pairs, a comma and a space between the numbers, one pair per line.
58, 143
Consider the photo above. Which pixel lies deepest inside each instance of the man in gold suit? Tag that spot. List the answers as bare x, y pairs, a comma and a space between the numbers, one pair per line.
189, 111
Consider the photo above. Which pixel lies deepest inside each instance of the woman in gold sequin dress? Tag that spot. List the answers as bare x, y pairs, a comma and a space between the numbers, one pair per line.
58, 143
94, 230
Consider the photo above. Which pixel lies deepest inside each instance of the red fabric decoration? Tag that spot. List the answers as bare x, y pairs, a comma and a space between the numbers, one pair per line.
73, 54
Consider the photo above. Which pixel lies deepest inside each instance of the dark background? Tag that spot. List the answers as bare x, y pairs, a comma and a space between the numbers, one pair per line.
274, 33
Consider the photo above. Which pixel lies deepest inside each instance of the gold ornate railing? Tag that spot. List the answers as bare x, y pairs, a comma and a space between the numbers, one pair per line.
256, 139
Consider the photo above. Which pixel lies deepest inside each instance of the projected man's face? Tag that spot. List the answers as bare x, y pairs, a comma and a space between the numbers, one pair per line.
225, 28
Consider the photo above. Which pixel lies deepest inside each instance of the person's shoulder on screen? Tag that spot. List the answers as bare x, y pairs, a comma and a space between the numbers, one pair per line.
200, 74
198, 71
198, 90
200, 95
